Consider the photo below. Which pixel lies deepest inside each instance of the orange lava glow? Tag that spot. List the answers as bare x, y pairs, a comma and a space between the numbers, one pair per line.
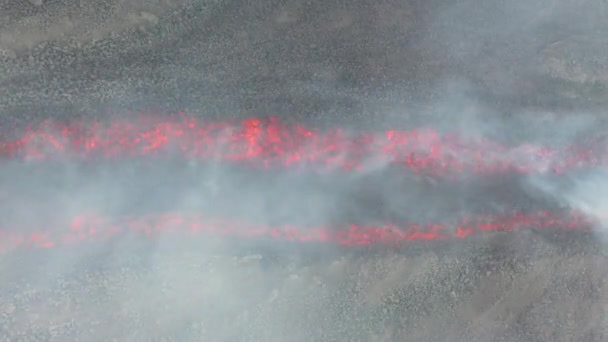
96, 228
270, 143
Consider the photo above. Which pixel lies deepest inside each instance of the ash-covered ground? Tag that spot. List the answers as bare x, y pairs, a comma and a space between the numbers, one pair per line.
517, 72
506, 289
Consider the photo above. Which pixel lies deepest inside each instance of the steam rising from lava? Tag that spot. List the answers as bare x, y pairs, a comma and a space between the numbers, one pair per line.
102, 184
91, 228
268, 144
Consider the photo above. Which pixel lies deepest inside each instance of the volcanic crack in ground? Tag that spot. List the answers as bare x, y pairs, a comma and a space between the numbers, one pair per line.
271, 143
96, 228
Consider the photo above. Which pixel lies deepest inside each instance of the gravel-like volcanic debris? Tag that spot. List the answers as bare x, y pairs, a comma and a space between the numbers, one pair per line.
501, 291
355, 63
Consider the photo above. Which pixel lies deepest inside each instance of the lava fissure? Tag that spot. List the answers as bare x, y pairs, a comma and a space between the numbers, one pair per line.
90, 227
268, 142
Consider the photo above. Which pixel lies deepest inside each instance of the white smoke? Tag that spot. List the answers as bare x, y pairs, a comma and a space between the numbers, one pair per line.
586, 193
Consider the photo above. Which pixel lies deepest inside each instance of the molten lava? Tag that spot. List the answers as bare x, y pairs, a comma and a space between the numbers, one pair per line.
270, 143
93, 228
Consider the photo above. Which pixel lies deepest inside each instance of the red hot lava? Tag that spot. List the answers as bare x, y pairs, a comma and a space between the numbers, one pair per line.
269, 142
91, 228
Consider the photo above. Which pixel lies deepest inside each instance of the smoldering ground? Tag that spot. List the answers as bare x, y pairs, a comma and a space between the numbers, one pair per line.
365, 64
265, 290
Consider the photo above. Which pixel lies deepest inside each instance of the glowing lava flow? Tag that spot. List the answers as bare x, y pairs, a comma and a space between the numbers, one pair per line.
270, 143
97, 228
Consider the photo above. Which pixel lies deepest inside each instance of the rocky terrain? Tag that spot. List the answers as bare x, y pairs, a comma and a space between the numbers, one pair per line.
503, 289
